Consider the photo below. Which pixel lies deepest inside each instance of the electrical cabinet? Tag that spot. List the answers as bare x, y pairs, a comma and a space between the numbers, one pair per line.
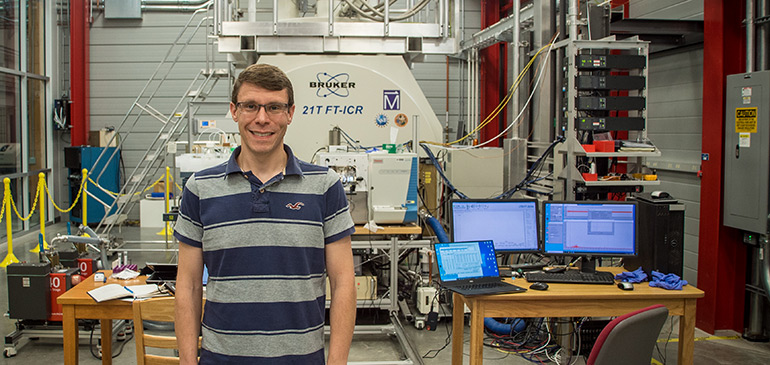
747, 168
78, 158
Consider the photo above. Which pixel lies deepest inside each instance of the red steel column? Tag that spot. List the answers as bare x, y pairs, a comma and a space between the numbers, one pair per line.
492, 75
79, 75
721, 254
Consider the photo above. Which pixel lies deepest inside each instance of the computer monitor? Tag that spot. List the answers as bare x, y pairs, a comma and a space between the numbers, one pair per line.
511, 224
590, 229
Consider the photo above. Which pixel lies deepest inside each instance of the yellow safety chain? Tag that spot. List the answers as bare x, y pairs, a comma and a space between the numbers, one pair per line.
80, 190
118, 194
2, 210
42, 185
177, 185
34, 205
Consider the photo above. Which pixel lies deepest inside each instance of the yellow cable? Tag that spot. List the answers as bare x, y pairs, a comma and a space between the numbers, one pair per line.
495, 112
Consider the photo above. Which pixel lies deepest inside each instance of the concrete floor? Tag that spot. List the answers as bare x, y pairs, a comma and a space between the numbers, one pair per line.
722, 348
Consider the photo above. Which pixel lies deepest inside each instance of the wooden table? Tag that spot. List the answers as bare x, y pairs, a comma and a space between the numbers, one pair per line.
573, 300
76, 304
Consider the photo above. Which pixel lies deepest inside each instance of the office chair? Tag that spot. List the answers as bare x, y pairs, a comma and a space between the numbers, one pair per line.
629, 338
160, 310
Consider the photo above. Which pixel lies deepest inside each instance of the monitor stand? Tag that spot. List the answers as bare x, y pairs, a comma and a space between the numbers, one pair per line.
587, 264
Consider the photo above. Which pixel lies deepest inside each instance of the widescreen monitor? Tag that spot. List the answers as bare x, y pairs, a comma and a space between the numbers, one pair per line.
590, 228
511, 224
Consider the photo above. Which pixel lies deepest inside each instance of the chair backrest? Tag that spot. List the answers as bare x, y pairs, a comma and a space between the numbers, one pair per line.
159, 310
629, 338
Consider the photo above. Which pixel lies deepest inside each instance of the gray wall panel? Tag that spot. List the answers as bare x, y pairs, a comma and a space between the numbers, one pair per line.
666, 9
675, 123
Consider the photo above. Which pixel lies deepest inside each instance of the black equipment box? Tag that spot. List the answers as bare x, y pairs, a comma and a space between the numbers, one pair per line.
585, 82
661, 236
610, 103
162, 273
610, 124
69, 258
28, 290
606, 62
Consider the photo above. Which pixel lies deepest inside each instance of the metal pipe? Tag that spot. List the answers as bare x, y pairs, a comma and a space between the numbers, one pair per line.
171, 8
468, 64
275, 17
573, 19
441, 17
446, 18
174, 2
216, 15
331, 17
765, 265
516, 65
252, 11
763, 60
386, 19
750, 31
755, 325
477, 90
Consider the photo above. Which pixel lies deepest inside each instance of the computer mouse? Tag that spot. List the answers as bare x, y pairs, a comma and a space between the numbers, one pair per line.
539, 286
625, 285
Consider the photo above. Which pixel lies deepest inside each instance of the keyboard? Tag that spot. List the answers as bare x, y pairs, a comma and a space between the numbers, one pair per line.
572, 276
481, 286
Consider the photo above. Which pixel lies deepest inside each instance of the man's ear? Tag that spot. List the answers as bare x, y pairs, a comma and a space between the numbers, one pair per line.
232, 112
291, 112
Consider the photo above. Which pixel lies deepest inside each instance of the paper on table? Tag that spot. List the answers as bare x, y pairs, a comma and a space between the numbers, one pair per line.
116, 291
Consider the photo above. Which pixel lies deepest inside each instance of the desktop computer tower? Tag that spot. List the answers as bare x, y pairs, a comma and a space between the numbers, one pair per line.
661, 236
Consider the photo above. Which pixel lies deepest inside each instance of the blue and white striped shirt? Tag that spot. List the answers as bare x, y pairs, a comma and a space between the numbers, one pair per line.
263, 245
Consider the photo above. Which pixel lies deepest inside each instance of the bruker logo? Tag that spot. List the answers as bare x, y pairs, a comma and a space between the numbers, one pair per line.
327, 84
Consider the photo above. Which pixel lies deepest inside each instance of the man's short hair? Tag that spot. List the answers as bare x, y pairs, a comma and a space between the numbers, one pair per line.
265, 76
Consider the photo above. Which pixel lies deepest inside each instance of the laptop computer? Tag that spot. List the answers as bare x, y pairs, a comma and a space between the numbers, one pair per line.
470, 268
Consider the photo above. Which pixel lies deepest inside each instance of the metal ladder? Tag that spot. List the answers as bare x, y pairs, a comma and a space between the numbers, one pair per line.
172, 127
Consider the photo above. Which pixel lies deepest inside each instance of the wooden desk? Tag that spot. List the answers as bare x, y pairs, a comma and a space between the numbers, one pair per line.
573, 300
76, 304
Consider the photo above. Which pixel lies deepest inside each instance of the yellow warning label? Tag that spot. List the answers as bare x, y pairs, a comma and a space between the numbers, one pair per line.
745, 120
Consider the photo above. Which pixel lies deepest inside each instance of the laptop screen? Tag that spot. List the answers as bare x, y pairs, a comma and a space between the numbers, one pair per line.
466, 260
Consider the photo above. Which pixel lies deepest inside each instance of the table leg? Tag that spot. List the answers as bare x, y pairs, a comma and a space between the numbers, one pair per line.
106, 341
687, 333
71, 335
458, 324
477, 333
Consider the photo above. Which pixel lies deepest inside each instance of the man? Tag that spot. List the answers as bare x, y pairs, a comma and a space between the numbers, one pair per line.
269, 228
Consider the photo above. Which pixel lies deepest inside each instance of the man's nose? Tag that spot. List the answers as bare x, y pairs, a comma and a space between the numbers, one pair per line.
261, 116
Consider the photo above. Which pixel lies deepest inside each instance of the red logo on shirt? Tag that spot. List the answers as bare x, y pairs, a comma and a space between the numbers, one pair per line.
295, 206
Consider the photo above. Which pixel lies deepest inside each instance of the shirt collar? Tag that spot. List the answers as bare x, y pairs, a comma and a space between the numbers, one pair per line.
292, 163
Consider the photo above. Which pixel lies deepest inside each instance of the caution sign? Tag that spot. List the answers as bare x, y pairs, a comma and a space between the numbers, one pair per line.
746, 120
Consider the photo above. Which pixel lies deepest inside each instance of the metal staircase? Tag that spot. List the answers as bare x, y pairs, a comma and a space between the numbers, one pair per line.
172, 124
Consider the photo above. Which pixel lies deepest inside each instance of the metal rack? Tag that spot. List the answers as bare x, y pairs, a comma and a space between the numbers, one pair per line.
392, 249
565, 159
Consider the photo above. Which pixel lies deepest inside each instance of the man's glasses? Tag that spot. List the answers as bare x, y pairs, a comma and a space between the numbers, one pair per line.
270, 108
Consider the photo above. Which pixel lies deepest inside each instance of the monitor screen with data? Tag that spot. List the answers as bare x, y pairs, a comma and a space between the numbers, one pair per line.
589, 228
511, 224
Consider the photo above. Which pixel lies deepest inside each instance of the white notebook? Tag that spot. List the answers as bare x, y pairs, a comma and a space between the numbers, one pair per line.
115, 291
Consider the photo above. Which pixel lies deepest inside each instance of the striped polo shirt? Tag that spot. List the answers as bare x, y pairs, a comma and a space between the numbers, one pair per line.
263, 245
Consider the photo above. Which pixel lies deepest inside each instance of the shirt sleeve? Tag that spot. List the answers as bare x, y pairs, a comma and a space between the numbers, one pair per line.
338, 223
188, 228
